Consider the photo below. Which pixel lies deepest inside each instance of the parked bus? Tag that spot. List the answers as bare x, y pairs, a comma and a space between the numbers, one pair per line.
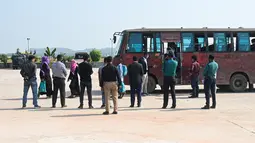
233, 49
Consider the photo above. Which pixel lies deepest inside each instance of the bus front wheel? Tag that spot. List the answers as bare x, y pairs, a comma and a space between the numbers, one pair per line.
238, 83
151, 84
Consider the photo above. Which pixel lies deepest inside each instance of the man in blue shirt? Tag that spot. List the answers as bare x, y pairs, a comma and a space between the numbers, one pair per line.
169, 71
210, 73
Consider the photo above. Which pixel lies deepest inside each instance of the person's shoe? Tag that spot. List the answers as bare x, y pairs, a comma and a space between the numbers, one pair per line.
145, 94
37, 107
64, 106
131, 106
213, 107
91, 107
71, 96
106, 113
193, 96
54, 106
205, 107
173, 107
24, 106
80, 107
138, 105
164, 107
114, 112
120, 97
103, 106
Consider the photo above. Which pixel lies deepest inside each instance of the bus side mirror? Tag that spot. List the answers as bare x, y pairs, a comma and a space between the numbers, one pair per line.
114, 39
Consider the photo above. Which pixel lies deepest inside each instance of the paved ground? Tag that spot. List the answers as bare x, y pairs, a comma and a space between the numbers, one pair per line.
232, 122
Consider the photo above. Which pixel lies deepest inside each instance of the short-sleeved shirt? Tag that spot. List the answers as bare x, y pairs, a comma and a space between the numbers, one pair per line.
169, 67
211, 70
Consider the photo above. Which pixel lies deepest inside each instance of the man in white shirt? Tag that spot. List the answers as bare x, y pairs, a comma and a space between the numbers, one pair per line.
144, 62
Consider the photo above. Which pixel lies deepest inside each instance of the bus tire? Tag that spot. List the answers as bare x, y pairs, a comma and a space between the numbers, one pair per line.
238, 83
151, 84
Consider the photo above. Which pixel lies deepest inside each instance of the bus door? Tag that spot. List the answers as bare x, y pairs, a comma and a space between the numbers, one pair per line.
172, 41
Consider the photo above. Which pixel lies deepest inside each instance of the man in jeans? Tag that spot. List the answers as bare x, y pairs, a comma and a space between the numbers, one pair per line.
169, 70
109, 79
85, 72
99, 78
194, 75
59, 76
28, 72
210, 73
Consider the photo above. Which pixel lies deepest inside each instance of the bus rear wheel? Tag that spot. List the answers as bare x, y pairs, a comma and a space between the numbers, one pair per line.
151, 84
238, 83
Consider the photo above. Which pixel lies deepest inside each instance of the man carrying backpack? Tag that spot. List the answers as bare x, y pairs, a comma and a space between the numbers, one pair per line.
28, 72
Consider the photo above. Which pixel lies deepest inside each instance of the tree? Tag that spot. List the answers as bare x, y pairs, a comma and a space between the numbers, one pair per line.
50, 53
4, 59
95, 55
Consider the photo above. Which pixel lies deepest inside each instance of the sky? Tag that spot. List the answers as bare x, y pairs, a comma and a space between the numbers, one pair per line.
83, 24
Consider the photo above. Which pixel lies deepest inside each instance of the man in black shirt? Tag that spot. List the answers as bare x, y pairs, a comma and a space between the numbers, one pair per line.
85, 72
110, 76
135, 74
28, 72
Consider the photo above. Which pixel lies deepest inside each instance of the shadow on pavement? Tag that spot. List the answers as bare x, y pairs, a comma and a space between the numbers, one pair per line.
180, 109
76, 115
17, 109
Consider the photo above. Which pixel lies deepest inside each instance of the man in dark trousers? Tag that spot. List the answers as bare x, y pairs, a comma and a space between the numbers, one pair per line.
135, 74
85, 72
210, 73
59, 76
28, 72
169, 71
194, 75
144, 62
110, 82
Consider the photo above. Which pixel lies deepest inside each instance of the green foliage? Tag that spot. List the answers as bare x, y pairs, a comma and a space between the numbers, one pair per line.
68, 58
4, 59
37, 58
95, 55
50, 53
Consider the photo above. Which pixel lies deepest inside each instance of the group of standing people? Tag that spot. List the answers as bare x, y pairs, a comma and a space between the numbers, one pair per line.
59, 74
210, 72
111, 80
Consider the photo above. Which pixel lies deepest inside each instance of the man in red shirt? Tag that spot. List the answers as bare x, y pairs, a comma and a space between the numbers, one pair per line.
194, 75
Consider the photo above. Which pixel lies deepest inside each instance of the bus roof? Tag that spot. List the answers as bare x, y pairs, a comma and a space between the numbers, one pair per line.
204, 29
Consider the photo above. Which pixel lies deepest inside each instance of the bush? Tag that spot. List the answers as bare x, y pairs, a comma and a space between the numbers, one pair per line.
4, 59
95, 55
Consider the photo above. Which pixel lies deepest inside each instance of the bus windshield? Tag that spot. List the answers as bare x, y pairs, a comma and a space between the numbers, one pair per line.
118, 45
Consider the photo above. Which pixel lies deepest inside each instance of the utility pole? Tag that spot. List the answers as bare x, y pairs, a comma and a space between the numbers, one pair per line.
28, 48
111, 46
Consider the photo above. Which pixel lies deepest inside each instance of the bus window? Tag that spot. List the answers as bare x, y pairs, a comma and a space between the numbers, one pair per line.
135, 43
188, 42
229, 44
150, 44
200, 43
243, 41
252, 43
158, 42
220, 42
210, 43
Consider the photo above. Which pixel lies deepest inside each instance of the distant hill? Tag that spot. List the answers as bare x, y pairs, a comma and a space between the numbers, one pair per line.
69, 52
